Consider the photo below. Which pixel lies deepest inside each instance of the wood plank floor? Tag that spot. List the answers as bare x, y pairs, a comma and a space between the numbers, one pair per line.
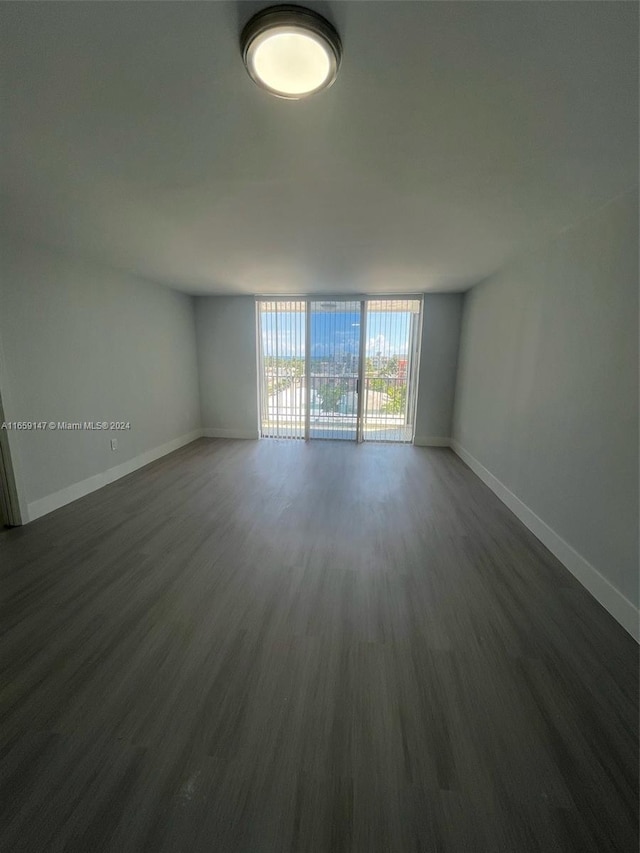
272, 646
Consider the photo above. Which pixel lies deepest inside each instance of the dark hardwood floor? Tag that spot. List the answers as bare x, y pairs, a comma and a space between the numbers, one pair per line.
272, 646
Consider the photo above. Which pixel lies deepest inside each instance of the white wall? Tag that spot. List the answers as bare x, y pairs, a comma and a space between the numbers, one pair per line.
83, 343
226, 334
547, 395
441, 320
227, 365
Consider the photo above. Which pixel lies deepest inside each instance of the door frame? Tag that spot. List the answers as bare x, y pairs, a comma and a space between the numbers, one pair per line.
10, 513
14, 508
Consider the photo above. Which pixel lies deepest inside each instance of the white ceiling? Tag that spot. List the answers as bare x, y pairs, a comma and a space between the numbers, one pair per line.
456, 135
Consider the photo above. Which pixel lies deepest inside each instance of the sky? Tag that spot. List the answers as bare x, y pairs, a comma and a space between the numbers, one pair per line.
335, 333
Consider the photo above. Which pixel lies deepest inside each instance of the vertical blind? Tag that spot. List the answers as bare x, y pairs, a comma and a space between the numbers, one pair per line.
338, 369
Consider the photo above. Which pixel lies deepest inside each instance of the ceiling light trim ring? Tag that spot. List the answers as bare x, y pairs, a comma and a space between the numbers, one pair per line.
296, 20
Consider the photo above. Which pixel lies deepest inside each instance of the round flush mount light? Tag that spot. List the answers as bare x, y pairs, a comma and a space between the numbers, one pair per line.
290, 51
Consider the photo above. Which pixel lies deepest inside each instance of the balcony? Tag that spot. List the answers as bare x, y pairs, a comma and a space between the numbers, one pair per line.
333, 406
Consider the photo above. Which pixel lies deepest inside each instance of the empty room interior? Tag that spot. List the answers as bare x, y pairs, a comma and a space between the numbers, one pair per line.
319, 451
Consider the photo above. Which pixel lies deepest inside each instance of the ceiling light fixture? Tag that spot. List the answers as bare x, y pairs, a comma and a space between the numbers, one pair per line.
290, 51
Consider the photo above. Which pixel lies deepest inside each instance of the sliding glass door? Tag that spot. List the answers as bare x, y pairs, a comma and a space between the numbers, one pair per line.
338, 368
391, 369
282, 330
334, 369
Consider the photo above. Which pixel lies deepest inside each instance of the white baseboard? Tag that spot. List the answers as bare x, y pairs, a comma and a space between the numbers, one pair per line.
214, 432
431, 441
603, 591
97, 481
